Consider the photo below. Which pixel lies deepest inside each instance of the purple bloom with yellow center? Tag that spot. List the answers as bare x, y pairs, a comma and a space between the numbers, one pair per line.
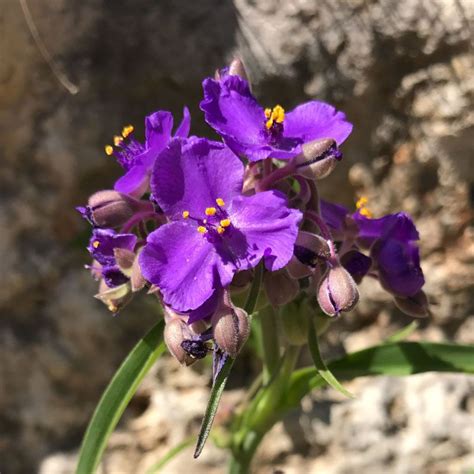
213, 230
258, 133
102, 247
392, 243
137, 158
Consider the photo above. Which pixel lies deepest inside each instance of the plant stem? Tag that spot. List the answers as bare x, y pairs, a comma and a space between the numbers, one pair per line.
270, 342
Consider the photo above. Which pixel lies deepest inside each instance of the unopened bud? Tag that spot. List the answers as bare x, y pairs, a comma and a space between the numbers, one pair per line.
337, 291
237, 68
114, 298
175, 333
231, 328
317, 159
241, 281
111, 209
416, 306
310, 251
137, 280
280, 288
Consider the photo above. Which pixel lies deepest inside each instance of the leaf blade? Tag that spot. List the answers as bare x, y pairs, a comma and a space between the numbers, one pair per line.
116, 397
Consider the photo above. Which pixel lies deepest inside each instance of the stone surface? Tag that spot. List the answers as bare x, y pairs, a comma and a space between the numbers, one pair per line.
403, 73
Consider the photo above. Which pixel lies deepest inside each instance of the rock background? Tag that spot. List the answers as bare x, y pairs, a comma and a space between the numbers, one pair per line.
402, 71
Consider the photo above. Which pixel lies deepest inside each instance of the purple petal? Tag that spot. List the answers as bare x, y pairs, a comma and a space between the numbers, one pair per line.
134, 182
357, 264
104, 241
333, 214
269, 229
184, 265
395, 226
314, 120
206, 310
398, 266
158, 126
185, 125
191, 174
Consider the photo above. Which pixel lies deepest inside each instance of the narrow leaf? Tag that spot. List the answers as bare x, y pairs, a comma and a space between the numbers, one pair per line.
403, 333
321, 367
173, 452
117, 396
213, 404
397, 359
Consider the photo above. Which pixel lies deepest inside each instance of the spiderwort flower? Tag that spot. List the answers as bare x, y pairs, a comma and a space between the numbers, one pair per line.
257, 133
137, 158
102, 246
214, 231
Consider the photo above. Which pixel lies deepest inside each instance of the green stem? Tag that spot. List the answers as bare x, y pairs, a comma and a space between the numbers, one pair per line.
270, 342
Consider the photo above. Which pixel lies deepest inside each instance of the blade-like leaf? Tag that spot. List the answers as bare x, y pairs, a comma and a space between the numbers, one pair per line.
170, 455
403, 333
321, 367
213, 404
401, 358
117, 396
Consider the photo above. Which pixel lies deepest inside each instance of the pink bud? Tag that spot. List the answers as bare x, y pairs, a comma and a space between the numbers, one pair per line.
337, 291
231, 328
318, 158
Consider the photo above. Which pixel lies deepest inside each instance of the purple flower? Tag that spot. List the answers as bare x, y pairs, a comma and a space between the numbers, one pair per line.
249, 129
391, 240
136, 158
102, 247
214, 231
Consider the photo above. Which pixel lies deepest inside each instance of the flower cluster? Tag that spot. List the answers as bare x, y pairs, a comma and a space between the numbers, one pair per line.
197, 222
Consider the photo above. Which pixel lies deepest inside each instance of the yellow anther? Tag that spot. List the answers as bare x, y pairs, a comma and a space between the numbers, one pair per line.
201, 229
185, 214
95, 244
127, 130
361, 202
268, 113
277, 114
117, 140
366, 213
112, 308
269, 123
109, 149
210, 211
220, 230
225, 222
220, 202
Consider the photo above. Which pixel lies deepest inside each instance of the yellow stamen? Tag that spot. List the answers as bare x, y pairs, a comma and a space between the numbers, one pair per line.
127, 130
111, 307
268, 113
220, 202
210, 211
117, 140
277, 114
95, 244
109, 149
220, 230
269, 123
185, 214
361, 202
225, 222
365, 212
201, 229
361, 206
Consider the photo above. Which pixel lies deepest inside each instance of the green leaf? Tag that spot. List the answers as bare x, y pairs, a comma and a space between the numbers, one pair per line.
403, 333
173, 452
401, 358
321, 367
213, 404
117, 396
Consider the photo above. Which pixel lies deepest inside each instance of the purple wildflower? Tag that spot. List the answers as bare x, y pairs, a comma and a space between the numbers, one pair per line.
214, 231
137, 158
249, 129
391, 240
102, 246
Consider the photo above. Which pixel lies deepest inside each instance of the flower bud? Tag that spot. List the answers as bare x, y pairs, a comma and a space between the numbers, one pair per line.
416, 306
137, 279
237, 68
231, 328
280, 288
175, 333
318, 158
111, 209
337, 291
310, 251
114, 298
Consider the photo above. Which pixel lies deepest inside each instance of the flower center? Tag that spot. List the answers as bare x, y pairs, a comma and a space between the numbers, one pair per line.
274, 119
361, 207
216, 222
125, 148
